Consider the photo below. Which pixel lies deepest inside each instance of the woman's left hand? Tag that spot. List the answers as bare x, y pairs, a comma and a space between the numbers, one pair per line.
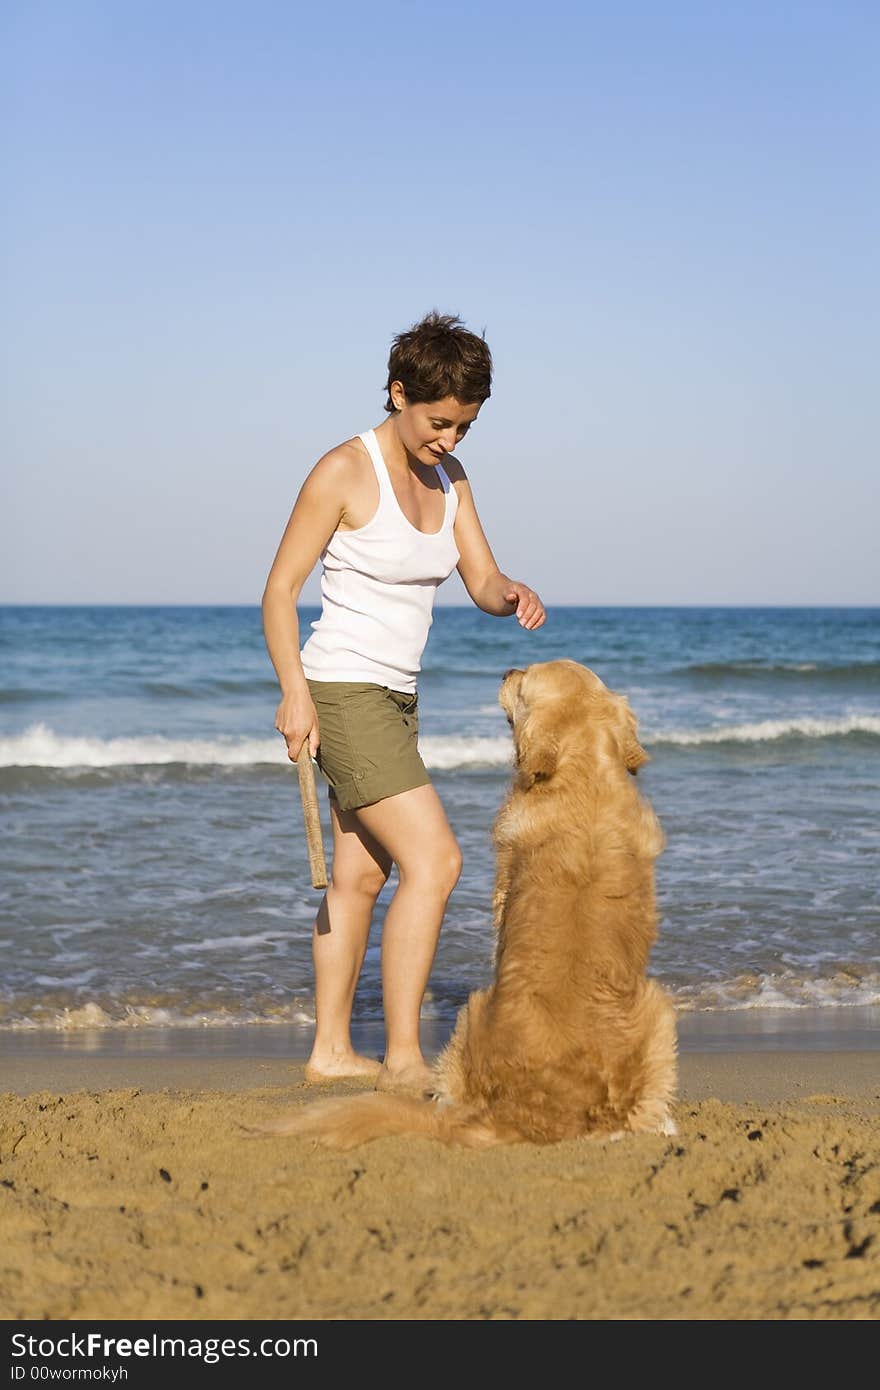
529, 608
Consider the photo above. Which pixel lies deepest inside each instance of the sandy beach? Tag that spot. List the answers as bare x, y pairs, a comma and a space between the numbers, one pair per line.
129, 1190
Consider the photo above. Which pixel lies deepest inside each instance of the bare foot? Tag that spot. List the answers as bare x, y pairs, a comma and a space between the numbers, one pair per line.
338, 1066
415, 1080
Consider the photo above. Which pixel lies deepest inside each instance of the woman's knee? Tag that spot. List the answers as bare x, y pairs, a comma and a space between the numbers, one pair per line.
437, 871
361, 881
454, 864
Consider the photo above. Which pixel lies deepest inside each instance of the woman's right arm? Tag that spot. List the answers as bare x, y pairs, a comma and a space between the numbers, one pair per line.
315, 516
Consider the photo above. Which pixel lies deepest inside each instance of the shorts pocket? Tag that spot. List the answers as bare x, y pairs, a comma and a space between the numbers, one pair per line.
365, 718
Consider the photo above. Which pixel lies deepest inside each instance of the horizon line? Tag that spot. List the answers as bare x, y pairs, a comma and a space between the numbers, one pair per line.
456, 607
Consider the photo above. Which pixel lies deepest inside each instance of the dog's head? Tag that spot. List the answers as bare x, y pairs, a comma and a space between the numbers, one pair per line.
560, 711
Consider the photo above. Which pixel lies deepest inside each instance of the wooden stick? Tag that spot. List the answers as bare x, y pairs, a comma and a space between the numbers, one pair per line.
311, 816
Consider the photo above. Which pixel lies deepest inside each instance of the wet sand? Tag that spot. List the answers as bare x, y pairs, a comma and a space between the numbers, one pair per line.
129, 1190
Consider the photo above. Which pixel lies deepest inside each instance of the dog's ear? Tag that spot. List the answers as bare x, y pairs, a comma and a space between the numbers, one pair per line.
537, 753
632, 752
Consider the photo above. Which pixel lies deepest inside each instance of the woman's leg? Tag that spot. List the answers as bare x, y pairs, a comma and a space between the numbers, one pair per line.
412, 828
339, 944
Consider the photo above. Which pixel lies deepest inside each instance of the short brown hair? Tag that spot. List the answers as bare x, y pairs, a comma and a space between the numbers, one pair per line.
439, 357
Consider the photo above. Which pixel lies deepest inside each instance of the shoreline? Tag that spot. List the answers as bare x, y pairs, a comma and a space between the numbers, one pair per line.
842, 1028
732, 1055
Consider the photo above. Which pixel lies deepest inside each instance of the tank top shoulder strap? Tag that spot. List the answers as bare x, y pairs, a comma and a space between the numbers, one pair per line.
451, 495
371, 444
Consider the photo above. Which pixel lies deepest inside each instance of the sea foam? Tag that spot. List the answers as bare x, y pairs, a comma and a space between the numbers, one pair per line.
40, 746
756, 993
772, 729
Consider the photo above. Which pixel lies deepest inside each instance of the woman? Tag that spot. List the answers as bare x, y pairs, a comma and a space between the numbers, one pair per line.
390, 514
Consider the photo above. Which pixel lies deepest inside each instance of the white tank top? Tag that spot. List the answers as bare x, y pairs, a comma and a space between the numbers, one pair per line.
377, 588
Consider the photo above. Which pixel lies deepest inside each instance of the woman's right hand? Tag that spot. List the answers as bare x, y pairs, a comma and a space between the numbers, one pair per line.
297, 719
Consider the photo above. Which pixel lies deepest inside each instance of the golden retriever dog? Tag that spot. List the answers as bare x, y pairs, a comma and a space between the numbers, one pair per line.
570, 1039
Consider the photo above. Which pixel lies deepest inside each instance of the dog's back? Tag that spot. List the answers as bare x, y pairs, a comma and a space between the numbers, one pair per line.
571, 1038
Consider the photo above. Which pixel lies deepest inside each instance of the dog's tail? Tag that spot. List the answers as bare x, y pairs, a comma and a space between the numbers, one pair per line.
346, 1121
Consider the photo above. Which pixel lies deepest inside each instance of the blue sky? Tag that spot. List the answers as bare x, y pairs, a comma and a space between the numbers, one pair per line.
664, 217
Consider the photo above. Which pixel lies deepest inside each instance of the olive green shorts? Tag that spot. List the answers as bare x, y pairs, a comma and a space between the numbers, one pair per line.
369, 745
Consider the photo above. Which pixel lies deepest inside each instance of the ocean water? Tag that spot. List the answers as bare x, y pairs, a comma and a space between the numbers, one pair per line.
154, 870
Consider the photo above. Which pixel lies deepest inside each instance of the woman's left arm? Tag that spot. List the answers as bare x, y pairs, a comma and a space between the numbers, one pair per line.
490, 590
